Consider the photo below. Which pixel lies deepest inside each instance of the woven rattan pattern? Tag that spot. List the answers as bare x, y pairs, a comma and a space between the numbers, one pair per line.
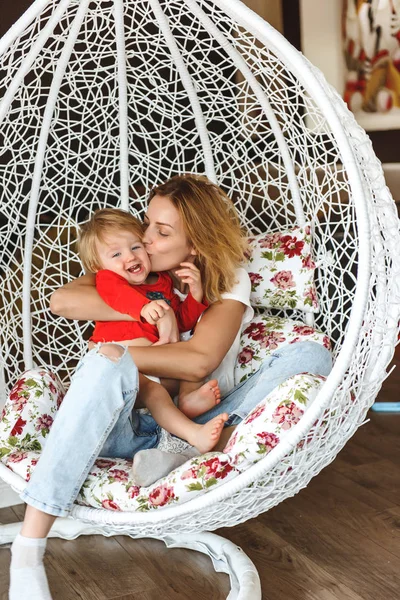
213, 122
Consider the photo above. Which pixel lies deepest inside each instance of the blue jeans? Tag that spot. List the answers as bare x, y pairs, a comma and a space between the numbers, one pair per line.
97, 418
301, 357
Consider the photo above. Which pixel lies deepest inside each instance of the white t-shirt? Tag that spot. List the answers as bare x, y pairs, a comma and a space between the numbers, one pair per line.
240, 292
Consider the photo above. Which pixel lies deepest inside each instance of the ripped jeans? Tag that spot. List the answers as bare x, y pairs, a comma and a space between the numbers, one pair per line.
97, 417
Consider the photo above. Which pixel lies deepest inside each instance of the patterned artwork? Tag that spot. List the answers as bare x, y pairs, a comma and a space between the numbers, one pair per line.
371, 31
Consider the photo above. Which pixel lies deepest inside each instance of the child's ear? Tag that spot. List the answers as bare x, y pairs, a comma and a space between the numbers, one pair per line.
193, 252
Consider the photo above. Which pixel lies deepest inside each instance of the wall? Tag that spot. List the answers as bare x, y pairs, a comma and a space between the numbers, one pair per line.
321, 43
321, 39
270, 10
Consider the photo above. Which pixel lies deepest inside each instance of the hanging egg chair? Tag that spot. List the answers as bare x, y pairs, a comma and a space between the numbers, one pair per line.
103, 99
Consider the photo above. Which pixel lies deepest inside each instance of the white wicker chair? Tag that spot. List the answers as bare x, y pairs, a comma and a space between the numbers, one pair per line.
104, 98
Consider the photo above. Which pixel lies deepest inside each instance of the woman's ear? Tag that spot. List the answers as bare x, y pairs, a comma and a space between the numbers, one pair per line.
191, 257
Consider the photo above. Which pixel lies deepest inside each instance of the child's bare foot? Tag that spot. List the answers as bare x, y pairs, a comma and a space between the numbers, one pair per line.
205, 437
200, 401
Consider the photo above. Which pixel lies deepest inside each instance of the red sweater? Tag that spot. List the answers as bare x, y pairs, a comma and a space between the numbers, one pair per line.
129, 300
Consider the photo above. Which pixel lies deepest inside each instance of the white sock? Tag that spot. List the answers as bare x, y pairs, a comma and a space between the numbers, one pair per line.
150, 465
28, 579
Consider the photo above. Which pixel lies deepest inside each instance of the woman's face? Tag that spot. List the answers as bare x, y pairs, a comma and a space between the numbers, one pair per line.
165, 239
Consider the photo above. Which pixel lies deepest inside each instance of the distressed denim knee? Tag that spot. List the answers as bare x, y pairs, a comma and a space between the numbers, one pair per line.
112, 351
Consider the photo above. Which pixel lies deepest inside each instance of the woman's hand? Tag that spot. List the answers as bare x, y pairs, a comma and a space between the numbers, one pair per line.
154, 311
167, 329
191, 275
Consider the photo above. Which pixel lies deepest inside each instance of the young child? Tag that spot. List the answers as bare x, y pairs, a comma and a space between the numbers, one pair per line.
110, 245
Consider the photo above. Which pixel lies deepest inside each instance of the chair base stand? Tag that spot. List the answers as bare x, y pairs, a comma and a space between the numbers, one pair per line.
225, 556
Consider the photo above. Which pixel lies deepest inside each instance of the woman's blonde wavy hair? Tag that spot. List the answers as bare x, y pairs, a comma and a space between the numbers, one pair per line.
212, 227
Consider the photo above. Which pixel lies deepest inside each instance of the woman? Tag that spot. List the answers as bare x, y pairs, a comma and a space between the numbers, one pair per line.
188, 218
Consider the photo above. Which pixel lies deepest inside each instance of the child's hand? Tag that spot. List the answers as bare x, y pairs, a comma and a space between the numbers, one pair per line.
154, 310
191, 275
167, 329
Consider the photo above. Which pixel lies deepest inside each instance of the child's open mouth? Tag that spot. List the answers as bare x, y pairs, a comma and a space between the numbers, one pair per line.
135, 269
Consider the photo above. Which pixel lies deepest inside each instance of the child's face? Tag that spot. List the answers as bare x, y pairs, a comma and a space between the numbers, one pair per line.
123, 253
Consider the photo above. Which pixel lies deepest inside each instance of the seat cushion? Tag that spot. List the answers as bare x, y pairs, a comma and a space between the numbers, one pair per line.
34, 400
269, 423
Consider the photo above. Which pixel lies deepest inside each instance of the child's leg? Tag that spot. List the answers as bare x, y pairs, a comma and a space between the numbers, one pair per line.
167, 415
171, 385
196, 399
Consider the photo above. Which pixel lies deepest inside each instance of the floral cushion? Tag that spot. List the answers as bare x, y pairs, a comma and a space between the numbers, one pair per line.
281, 270
29, 412
272, 419
109, 484
264, 334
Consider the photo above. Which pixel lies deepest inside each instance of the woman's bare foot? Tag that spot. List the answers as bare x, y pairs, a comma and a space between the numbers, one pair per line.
200, 401
205, 437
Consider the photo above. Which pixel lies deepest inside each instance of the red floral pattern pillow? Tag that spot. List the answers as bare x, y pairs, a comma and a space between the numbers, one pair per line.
281, 270
29, 413
264, 334
272, 419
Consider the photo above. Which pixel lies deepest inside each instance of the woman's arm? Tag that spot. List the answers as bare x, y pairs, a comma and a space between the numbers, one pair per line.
79, 300
201, 355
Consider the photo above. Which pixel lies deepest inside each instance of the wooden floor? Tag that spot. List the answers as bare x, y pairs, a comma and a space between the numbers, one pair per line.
339, 539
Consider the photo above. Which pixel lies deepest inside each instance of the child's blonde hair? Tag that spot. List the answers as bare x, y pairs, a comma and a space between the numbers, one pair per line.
101, 223
212, 227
